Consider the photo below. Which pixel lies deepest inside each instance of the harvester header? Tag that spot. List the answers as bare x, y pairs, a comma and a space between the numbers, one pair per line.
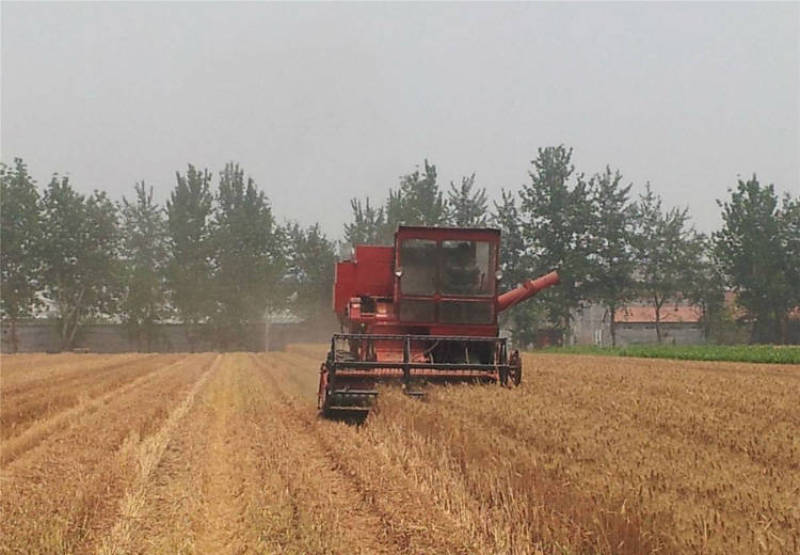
422, 310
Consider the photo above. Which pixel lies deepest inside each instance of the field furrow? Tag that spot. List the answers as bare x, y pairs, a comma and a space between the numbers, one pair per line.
45, 426
41, 398
54, 370
60, 495
148, 455
18, 366
225, 453
356, 473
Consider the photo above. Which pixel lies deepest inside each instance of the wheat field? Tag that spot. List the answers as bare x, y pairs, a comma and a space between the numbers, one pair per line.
225, 453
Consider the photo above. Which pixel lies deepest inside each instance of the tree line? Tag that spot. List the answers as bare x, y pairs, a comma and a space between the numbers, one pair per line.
215, 258
613, 248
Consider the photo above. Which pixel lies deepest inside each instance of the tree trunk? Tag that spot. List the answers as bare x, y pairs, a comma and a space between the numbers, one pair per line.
657, 306
69, 325
613, 325
566, 334
62, 330
189, 333
14, 340
72, 332
706, 322
783, 323
755, 326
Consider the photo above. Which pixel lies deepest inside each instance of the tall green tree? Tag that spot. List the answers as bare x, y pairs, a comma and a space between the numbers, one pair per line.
368, 226
556, 215
417, 200
145, 258
513, 250
790, 238
467, 207
311, 259
523, 319
249, 257
190, 250
661, 245
80, 270
613, 265
20, 242
704, 283
754, 247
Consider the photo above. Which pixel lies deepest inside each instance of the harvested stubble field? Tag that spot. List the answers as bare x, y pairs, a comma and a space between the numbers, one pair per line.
213, 453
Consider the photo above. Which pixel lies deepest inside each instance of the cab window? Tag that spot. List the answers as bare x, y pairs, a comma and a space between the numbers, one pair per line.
418, 263
466, 268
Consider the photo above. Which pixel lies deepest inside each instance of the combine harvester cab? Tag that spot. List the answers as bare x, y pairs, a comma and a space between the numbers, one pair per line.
421, 311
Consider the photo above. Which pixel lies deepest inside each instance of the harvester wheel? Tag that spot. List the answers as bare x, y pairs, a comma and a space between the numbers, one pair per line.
515, 368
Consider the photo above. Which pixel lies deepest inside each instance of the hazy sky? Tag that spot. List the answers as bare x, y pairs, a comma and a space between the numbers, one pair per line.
323, 102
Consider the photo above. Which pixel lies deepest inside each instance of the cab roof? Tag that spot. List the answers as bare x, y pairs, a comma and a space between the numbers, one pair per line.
447, 228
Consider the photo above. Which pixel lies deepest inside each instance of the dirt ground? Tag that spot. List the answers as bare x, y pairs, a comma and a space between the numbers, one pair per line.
225, 453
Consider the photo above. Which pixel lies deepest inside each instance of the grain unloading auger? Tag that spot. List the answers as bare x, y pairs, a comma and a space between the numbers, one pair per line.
421, 311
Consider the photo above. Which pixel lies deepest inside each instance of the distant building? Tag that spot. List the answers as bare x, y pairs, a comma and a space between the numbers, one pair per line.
681, 324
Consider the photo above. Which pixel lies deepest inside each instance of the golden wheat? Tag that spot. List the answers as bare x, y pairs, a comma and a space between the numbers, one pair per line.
225, 453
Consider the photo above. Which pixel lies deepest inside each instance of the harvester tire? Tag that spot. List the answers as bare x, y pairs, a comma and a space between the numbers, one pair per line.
515, 368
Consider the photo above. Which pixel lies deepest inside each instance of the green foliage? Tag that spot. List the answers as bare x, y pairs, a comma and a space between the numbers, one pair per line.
220, 261
20, 229
662, 246
731, 353
311, 259
368, 226
556, 221
757, 248
611, 280
467, 208
417, 200
145, 257
790, 239
525, 318
704, 285
513, 250
249, 258
80, 272
189, 242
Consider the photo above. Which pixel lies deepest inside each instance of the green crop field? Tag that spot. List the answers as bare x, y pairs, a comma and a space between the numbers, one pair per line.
733, 353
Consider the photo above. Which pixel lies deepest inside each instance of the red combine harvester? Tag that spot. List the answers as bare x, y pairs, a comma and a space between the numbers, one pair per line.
421, 311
